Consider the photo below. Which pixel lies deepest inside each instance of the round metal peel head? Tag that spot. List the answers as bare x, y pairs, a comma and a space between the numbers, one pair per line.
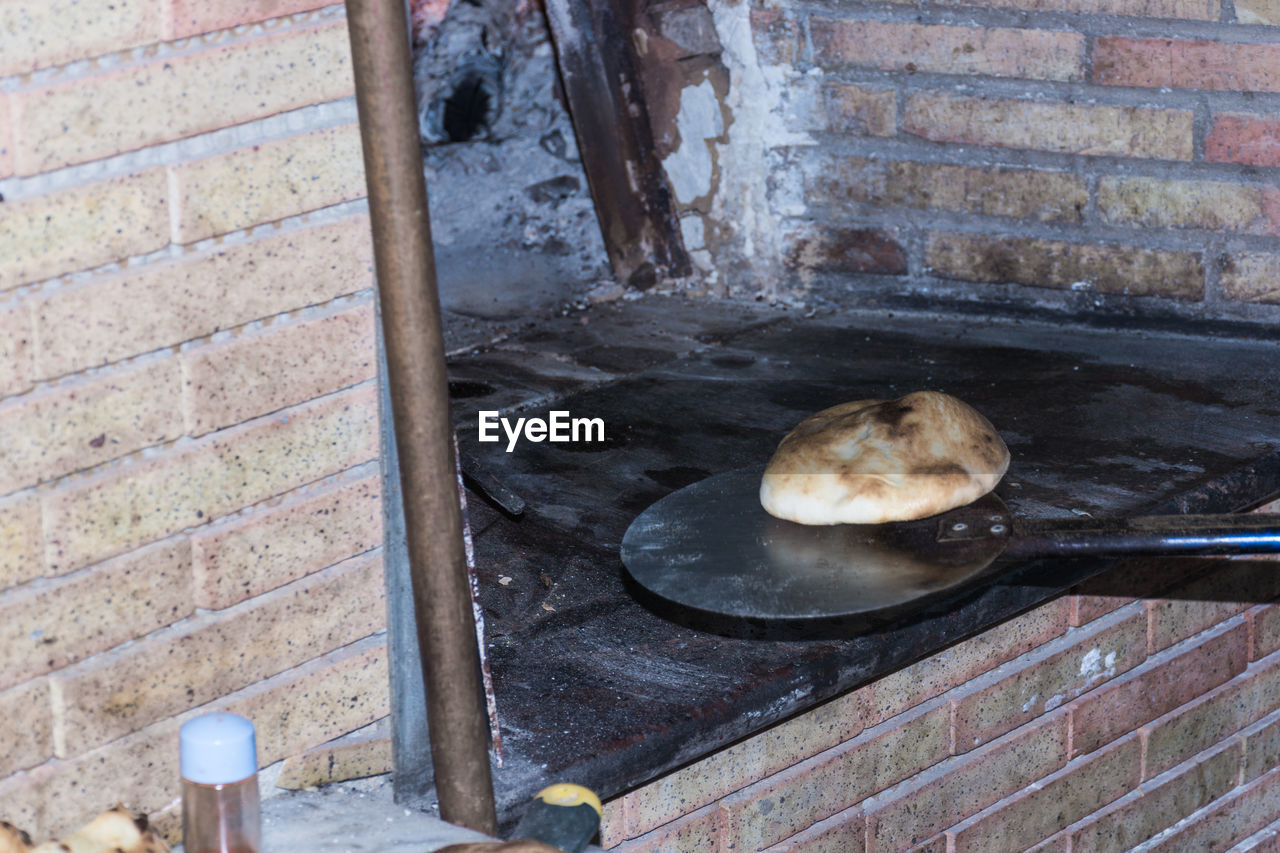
712, 547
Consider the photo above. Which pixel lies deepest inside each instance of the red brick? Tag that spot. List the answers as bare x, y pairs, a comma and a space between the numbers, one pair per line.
1157, 686
1183, 64
1058, 264
1261, 744
185, 18
1046, 678
1225, 590
1250, 140
1264, 630
698, 832
1159, 803
1265, 840
839, 833
1088, 129
800, 796
1227, 820
1199, 10
916, 810
861, 110
1211, 718
965, 661
991, 51
777, 36
1037, 812
934, 845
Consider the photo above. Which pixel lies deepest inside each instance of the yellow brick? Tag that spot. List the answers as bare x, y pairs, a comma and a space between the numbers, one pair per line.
179, 96
21, 543
1252, 277
39, 33
314, 703
212, 655
986, 191
141, 769
1088, 129
48, 625
860, 110
798, 797
1158, 203
6, 138
146, 500
84, 227
72, 427
275, 545
268, 182
192, 17
165, 304
1258, 11
1054, 263
336, 763
26, 738
288, 363
21, 801
744, 763
992, 51
16, 368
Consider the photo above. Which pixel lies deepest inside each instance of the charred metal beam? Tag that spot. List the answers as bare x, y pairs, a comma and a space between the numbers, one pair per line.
602, 85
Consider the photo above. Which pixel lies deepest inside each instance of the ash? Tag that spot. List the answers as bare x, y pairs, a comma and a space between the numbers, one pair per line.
514, 229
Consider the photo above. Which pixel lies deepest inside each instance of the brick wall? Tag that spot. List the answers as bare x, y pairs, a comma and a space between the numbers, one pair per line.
189, 496
1095, 722
1108, 155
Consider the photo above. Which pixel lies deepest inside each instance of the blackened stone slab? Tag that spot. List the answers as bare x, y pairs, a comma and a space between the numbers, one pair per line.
598, 686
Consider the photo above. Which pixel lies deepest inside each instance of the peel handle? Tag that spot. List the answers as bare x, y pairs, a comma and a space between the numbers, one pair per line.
1154, 535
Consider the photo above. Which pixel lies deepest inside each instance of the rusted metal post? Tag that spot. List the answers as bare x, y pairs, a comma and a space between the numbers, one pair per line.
419, 388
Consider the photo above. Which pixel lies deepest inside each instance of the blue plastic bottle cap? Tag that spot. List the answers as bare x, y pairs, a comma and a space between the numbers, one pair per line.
217, 749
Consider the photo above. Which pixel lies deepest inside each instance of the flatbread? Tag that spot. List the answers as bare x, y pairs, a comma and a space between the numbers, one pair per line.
873, 461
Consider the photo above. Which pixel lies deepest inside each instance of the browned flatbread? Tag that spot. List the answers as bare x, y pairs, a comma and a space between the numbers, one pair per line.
12, 839
873, 461
116, 830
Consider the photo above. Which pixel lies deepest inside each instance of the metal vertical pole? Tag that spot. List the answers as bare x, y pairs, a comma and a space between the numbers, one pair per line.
419, 389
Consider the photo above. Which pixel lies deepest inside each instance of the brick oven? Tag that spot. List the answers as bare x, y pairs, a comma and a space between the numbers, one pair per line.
1064, 213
